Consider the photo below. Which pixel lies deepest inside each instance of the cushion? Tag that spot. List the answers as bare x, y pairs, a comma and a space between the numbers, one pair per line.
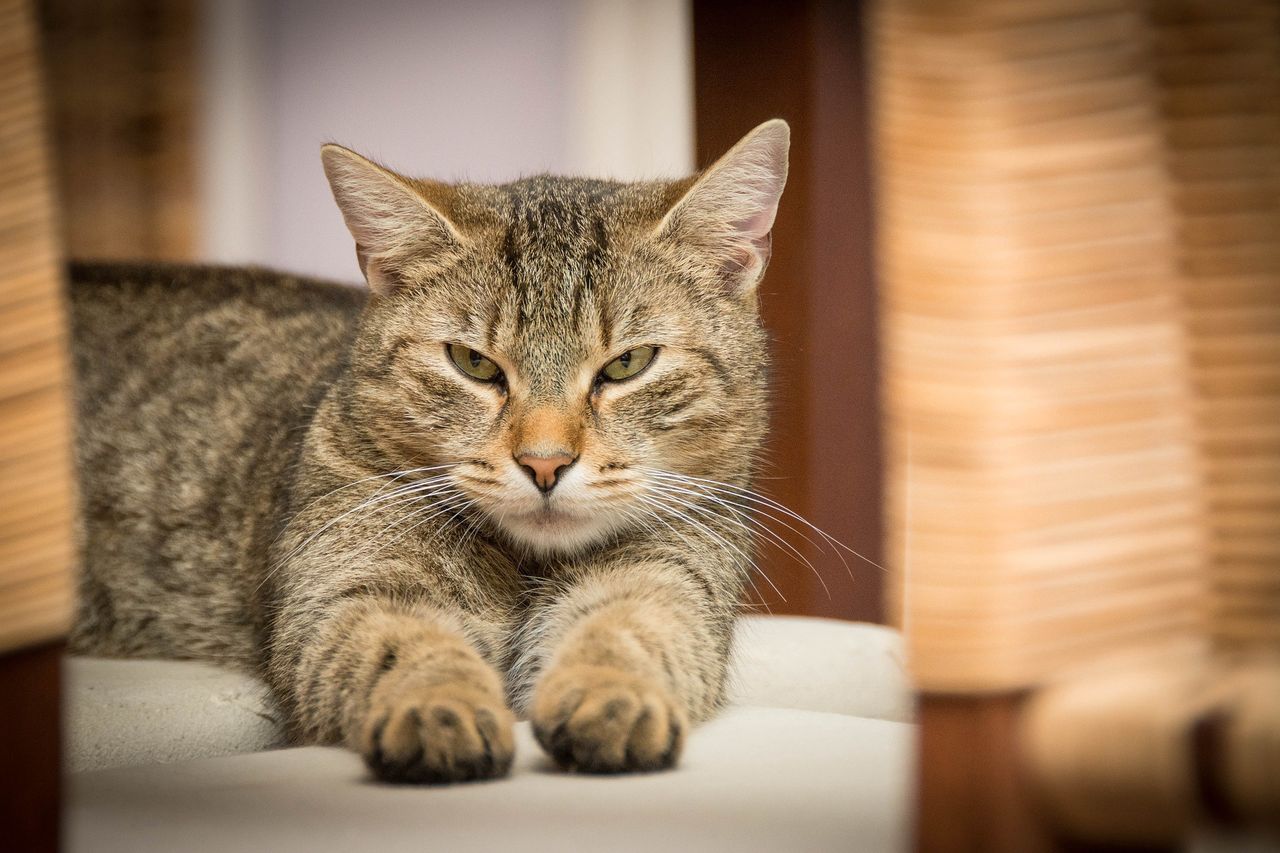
123, 712
754, 779
127, 712
812, 754
820, 665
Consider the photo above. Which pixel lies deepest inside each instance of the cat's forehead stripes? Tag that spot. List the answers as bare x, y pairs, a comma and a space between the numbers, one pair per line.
556, 250
556, 245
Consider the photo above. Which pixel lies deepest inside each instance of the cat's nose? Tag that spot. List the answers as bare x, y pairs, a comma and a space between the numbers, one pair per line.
545, 470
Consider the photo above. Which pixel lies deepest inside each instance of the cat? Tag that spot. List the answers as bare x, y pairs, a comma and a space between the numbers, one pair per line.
498, 478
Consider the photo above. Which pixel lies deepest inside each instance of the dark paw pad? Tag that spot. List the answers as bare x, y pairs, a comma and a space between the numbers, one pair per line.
598, 720
438, 739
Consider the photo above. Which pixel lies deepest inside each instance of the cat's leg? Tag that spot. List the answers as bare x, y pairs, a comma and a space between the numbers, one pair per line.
628, 655
400, 683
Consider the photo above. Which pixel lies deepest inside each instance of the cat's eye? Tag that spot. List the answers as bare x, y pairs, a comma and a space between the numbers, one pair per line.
629, 364
474, 364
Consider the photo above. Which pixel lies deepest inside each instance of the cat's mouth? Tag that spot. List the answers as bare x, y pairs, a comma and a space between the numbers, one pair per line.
552, 528
551, 517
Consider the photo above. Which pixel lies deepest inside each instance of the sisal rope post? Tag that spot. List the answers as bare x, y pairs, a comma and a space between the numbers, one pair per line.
1080, 259
36, 483
1219, 69
1157, 751
1045, 508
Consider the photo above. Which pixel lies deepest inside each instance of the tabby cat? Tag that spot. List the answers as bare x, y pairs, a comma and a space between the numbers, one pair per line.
495, 479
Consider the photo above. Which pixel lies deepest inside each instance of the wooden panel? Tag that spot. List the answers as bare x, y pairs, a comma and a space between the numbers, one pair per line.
122, 93
803, 62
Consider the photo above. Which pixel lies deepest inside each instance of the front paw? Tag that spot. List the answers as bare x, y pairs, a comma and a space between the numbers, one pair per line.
603, 720
437, 734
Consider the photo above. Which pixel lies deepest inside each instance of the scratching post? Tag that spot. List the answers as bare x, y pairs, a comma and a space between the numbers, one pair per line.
36, 485
1080, 260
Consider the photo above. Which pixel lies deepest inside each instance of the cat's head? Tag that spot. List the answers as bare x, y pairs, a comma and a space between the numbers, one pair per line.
557, 341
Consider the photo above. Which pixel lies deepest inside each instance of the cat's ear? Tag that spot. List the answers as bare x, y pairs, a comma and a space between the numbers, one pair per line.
727, 214
395, 226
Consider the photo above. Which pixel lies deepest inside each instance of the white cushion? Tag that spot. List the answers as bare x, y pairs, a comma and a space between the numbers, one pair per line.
125, 712
755, 779
820, 665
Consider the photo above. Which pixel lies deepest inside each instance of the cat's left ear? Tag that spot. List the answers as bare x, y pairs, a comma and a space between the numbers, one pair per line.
727, 215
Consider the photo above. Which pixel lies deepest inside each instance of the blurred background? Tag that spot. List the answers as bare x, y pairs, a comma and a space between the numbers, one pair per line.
189, 130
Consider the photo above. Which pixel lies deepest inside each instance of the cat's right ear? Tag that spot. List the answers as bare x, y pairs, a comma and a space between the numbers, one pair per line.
395, 227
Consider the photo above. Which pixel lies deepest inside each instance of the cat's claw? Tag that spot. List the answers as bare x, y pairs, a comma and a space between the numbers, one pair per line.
603, 720
438, 735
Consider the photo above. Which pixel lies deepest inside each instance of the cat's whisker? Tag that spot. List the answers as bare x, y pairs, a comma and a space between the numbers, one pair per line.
441, 493
472, 530
382, 496
747, 513
748, 510
406, 472
413, 497
368, 504
474, 524
441, 507
762, 503
717, 537
454, 513
392, 475
654, 514
658, 517
646, 501
743, 514
757, 498
705, 528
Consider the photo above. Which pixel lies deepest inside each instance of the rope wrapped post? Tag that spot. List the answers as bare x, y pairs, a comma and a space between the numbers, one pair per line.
1080, 246
37, 496
1174, 748
1046, 519
1219, 68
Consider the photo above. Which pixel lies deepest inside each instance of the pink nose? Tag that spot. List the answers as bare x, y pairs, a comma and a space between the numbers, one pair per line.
544, 470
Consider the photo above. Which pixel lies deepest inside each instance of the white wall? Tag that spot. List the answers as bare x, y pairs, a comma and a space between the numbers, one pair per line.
486, 90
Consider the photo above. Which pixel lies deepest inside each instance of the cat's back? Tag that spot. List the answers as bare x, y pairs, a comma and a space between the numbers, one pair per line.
125, 315
193, 387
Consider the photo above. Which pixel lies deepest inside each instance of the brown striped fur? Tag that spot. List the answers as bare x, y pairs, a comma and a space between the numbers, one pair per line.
257, 454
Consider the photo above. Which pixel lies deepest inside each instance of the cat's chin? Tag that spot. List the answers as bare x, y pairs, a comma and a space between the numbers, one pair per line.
555, 531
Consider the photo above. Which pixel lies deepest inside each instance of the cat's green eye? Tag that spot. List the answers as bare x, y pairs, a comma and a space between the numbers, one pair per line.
629, 363
474, 364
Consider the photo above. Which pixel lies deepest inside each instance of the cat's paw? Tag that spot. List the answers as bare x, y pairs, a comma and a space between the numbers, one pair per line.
438, 734
603, 720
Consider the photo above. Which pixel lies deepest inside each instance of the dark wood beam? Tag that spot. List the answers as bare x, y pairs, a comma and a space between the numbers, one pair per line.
804, 62
30, 741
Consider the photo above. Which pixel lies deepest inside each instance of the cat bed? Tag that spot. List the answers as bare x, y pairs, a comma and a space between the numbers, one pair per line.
813, 754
